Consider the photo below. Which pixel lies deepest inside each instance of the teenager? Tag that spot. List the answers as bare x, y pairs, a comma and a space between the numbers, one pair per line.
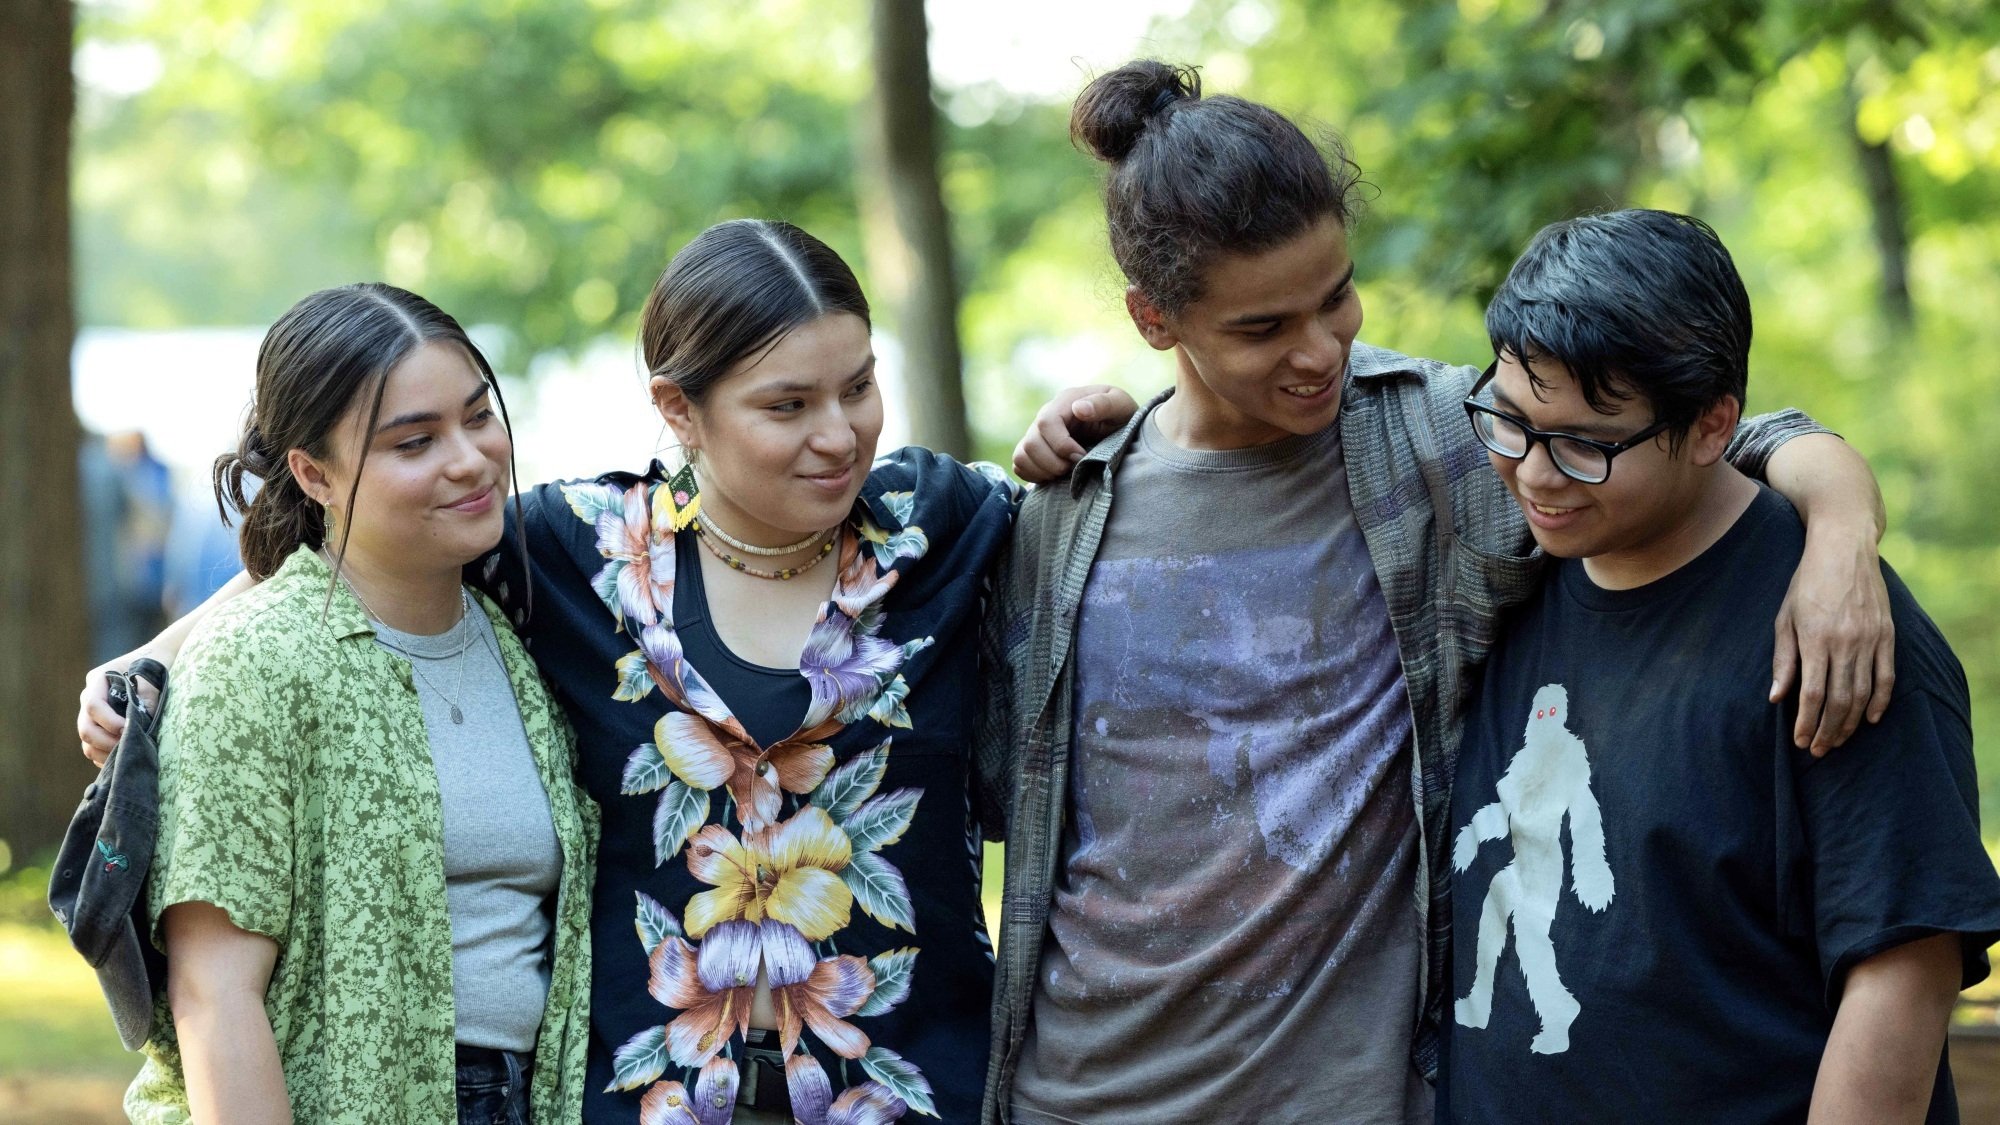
372, 870
769, 662
1728, 930
768, 659
1231, 656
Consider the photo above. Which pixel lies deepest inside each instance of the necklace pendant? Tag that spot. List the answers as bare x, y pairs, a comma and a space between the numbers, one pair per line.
457, 716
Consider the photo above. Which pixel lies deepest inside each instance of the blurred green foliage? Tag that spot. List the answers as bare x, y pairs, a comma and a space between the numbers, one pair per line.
1478, 121
53, 1023
531, 164
24, 895
526, 163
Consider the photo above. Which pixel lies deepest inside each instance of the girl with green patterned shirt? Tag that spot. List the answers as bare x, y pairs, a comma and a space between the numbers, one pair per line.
768, 659
373, 870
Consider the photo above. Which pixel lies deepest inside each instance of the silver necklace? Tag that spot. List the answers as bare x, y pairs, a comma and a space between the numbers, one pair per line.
457, 657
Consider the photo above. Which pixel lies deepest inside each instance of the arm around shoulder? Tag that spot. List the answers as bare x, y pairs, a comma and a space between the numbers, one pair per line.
1835, 640
97, 725
231, 741
994, 739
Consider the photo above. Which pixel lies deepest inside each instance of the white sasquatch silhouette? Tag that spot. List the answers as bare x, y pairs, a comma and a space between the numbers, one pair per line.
1548, 780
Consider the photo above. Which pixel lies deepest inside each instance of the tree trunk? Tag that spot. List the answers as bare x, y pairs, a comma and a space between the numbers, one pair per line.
1885, 206
908, 228
42, 626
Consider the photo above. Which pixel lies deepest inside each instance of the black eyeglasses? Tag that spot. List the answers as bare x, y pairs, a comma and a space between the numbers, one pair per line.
1578, 458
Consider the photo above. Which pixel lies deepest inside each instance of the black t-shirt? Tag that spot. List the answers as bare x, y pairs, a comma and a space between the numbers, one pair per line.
1658, 896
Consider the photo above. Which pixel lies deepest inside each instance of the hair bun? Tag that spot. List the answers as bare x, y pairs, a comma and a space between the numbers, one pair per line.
1115, 109
255, 452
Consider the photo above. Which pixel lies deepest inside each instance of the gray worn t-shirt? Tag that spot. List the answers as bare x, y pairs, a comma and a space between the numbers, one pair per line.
1234, 934
501, 858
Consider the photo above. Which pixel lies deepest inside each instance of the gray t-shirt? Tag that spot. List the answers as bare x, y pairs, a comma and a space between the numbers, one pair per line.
501, 858
1234, 934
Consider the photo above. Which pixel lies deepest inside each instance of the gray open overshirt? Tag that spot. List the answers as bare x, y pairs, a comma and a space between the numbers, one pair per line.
1451, 552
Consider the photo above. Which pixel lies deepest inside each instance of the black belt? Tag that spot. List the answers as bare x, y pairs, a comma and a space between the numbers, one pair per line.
762, 1084
489, 1056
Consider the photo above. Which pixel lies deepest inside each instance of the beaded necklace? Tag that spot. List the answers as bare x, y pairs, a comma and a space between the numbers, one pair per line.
707, 523
784, 575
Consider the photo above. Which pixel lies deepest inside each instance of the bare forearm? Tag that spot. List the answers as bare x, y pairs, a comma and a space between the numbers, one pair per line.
1831, 485
1881, 1060
170, 639
98, 725
1835, 632
217, 975
1875, 1079
231, 1061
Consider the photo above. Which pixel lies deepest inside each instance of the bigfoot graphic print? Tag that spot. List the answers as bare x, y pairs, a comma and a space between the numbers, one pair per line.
1658, 896
1547, 784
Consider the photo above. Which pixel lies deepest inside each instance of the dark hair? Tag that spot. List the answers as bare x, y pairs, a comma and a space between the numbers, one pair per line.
1631, 302
1193, 177
737, 288
313, 365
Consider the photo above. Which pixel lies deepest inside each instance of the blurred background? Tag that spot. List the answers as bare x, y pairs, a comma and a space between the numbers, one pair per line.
177, 172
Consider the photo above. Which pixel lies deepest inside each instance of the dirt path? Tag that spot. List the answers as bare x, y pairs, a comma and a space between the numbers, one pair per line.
1975, 1069
74, 1100
61, 1100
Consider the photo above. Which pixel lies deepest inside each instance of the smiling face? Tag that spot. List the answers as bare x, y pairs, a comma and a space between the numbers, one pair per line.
435, 479
1652, 503
786, 437
1263, 351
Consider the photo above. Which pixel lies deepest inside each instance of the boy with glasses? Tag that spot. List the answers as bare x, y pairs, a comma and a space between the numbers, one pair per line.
1664, 910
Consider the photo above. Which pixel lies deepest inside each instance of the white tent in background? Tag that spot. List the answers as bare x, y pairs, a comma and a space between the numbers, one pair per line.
186, 389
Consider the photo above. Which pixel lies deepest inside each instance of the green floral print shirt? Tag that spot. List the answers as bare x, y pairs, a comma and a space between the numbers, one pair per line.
297, 793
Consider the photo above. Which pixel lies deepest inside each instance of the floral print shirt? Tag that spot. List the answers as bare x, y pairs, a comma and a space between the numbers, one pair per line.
297, 793
841, 861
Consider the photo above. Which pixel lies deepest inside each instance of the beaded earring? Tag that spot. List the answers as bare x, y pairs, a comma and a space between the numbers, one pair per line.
681, 498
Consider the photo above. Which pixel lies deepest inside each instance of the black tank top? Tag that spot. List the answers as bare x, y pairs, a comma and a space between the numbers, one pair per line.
769, 702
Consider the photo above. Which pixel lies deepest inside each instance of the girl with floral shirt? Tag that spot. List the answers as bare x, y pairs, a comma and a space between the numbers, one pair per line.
769, 661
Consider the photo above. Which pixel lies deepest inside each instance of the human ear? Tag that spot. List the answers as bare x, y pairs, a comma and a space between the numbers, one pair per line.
675, 410
1149, 320
1709, 438
313, 478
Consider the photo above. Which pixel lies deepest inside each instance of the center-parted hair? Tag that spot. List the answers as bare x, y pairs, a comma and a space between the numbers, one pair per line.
1195, 177
1644, 303
320, 358
736, 289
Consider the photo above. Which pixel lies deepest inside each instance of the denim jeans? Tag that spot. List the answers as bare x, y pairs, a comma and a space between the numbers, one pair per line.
492, 1087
